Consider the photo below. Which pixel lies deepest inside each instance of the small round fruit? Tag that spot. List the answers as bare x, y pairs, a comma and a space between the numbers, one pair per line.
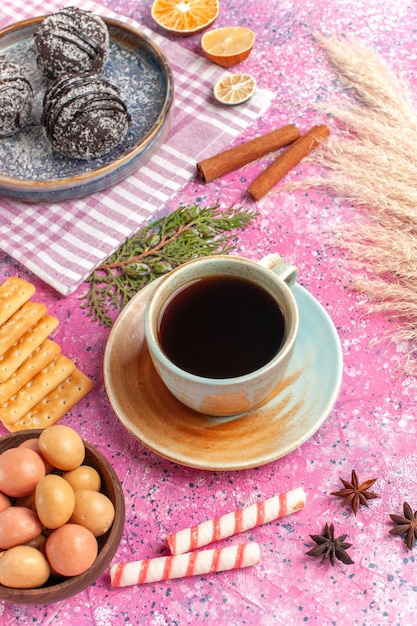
4, 502
62, 446
71, 549
54, 500
93, 510
37, 543
33, 444
18, 525
23, 567
83, 477
20, 471
27, 501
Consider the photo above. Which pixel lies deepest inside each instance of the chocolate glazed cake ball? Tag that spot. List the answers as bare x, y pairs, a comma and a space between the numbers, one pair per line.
84, 117
16, 98
71, 41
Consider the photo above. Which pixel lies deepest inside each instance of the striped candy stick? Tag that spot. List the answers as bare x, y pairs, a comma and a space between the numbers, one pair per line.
238, 521
179, 566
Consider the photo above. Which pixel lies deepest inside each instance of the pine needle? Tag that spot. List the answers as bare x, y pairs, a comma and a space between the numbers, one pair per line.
185, 234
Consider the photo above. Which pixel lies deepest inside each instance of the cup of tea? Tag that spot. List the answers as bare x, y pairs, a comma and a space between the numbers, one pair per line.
221, 331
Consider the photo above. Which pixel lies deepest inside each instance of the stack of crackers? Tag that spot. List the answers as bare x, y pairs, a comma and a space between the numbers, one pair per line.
38, 384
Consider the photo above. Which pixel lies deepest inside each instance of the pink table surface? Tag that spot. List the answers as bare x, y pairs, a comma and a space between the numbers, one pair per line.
371, 428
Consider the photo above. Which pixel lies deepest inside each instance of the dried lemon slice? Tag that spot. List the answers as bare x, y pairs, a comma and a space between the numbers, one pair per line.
228, 46
234, 88
185, 17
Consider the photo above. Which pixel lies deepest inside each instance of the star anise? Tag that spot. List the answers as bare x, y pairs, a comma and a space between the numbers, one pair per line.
355, 493
330, 547
406, 525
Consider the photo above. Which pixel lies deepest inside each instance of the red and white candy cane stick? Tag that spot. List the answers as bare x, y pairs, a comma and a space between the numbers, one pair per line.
193, 564
232, 523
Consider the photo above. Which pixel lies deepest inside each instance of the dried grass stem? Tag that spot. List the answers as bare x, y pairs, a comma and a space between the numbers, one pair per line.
371, 161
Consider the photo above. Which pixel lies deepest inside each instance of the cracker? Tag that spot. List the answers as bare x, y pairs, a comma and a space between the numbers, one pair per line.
14, 292
36, 389
19, 323
46, 352
56, 404
19, 352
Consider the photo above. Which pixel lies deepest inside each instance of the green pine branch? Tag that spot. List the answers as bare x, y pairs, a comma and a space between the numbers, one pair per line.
187, 233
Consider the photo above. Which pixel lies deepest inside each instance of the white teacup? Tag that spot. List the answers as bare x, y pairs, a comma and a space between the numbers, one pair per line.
269, 302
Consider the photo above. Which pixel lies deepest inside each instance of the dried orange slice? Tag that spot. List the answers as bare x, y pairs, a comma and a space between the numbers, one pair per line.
228, 46
234, 88
185, 17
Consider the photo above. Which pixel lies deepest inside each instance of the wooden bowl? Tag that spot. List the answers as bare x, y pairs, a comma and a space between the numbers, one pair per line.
56, 589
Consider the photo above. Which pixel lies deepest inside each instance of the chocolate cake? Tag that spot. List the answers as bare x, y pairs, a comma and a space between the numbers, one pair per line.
84, 116
16, 98
71, 41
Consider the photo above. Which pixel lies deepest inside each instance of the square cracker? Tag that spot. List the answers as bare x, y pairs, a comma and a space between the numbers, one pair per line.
19, 352
16, 326
56, 404
36, 389
43, 354
14, 292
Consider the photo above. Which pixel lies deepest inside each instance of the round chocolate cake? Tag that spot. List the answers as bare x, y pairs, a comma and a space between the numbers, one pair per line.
16, 98
71, 41
84, 116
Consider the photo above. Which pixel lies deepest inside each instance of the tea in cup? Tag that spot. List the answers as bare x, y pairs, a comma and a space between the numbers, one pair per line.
221, 331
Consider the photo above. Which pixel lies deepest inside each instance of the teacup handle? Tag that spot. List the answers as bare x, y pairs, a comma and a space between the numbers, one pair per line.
284, 270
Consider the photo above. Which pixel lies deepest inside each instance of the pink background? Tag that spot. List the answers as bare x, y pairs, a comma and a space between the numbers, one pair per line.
371, 428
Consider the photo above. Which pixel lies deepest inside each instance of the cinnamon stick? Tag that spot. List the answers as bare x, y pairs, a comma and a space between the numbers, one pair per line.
238, 156
287, 160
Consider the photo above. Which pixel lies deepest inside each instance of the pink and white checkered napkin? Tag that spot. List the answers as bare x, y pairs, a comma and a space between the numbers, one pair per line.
63, 242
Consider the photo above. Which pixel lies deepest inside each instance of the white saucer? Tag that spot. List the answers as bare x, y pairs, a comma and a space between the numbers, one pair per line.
295, 411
